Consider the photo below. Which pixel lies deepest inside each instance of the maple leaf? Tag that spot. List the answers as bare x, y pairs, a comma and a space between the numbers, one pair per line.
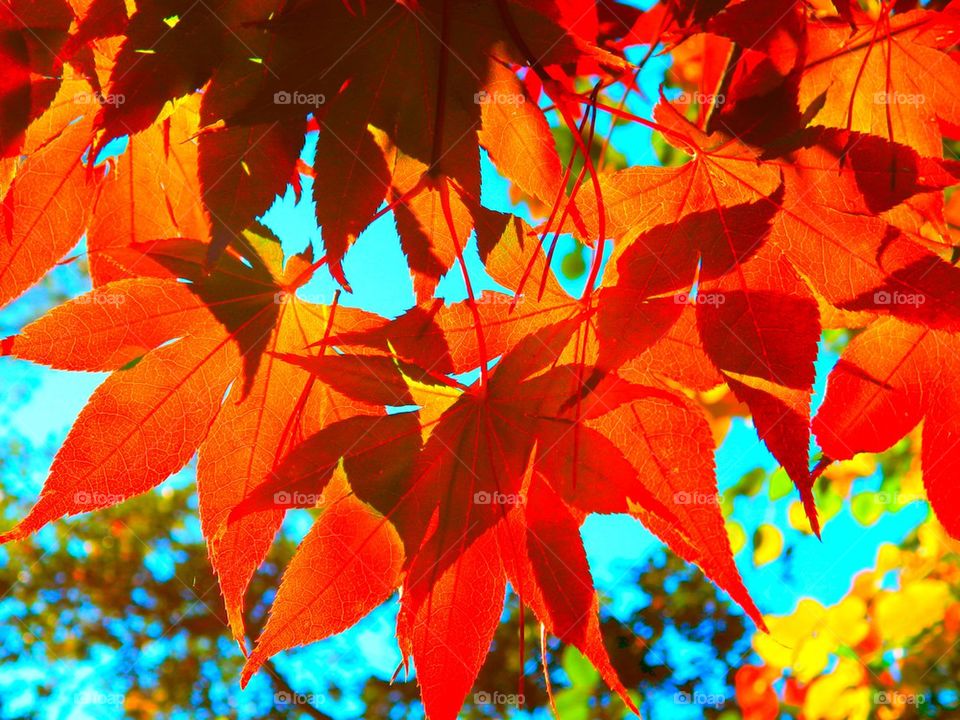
347, 565
146, 421
432, 609
252, 433
275, 406
111, 327
139, 427
665, 440
673, 225
218, 325
45, 207
369, 62
546, 564
867, 256
150, 192
761, 329
480, 446
758, 320
516, 134
583, 468
447, 621
891, 77
889, 378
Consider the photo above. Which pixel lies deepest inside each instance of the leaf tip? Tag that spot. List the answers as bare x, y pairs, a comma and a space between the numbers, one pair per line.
235, 619
11, 535
752, 611
336, 269
250, 668
810, 507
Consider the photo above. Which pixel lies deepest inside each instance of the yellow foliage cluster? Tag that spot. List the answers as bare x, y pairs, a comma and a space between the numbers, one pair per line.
867, 655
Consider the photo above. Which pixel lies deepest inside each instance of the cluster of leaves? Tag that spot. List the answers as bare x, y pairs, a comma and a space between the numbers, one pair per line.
812, 197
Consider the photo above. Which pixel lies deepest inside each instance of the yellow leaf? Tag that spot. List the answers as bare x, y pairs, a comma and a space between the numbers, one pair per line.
847, 621
888, 558
768, 544
840, 695
901, 615
738, 538
797, 641
813, 658
797, 517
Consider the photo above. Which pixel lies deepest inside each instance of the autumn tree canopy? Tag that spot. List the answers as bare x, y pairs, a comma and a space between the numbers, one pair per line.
456, 449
